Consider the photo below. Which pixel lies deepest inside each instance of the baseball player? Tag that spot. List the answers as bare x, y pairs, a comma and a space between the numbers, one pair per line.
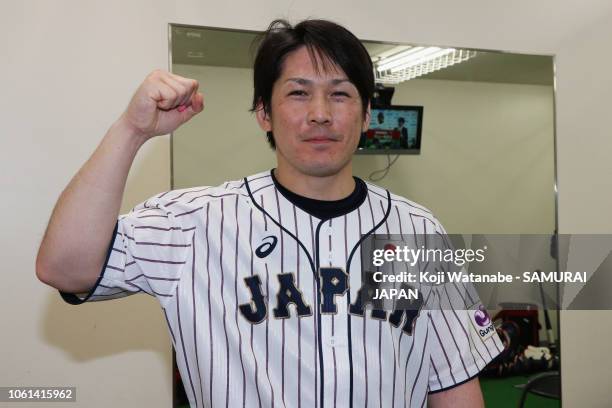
259, 278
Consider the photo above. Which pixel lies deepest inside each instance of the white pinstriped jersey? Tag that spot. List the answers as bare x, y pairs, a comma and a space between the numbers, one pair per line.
234, 269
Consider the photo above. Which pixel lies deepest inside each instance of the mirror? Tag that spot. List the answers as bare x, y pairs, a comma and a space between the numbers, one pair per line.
486, 160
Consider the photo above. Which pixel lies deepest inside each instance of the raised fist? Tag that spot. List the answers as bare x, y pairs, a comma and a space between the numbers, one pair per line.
162, 103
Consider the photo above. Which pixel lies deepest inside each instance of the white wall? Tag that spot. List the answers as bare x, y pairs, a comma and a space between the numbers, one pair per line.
68, 69
585, 199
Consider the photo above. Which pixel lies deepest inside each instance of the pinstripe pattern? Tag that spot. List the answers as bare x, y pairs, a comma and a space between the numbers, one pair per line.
393, 341
299, 339
378, 332
257, 379
236, 276
194, 250
208, 295
282, 268
227, 367
314, 325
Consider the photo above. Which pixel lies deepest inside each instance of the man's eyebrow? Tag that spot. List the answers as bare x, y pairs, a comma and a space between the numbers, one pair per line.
304, 81
339, 81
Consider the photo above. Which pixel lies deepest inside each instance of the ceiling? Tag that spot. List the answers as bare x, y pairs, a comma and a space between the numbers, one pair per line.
228, 48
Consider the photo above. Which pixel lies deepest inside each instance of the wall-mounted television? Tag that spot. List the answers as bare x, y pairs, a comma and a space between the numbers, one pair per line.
393, 130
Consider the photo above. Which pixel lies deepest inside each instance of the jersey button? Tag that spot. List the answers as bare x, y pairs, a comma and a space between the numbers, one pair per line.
335, 341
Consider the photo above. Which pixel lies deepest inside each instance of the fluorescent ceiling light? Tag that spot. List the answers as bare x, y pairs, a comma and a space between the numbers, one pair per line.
399, 58
403, 63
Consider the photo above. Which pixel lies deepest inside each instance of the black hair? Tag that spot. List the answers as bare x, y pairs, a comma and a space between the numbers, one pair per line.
327, 42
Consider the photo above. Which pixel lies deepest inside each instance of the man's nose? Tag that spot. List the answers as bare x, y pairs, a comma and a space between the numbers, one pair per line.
319, 110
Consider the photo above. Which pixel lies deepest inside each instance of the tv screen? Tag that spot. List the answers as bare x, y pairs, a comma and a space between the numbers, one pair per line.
393, 130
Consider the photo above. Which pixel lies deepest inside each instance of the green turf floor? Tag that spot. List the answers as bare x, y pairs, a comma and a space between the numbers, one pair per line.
502, 393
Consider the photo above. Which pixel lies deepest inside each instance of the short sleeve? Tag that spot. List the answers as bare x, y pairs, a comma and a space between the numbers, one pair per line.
462, 337
462, 341
149, 249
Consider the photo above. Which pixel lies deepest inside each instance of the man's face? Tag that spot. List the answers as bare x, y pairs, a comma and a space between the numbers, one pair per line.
316, 118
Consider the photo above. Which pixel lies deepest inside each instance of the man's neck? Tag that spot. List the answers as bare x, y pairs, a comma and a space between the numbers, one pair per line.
330, 188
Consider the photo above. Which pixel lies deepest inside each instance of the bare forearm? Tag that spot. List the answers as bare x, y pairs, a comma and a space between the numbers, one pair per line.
76, 241
467, 395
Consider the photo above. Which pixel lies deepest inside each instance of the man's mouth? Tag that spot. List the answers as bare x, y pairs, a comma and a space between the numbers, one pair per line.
320, 139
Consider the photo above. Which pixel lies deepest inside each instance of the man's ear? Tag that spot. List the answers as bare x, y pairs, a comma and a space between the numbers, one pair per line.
366, 119
263, 118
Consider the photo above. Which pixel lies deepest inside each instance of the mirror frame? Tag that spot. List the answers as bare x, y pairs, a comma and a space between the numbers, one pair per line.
555, 234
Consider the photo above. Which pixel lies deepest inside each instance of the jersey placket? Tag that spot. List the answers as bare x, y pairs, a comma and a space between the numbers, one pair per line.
334, 345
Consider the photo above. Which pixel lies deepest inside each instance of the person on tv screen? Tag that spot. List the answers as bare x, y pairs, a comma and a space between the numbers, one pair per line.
403, 132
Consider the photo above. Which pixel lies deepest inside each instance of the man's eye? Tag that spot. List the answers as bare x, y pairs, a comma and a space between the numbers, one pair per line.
297, 92
341, 93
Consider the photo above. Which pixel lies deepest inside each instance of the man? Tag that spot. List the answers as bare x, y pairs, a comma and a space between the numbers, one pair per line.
258, 277
403, 132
